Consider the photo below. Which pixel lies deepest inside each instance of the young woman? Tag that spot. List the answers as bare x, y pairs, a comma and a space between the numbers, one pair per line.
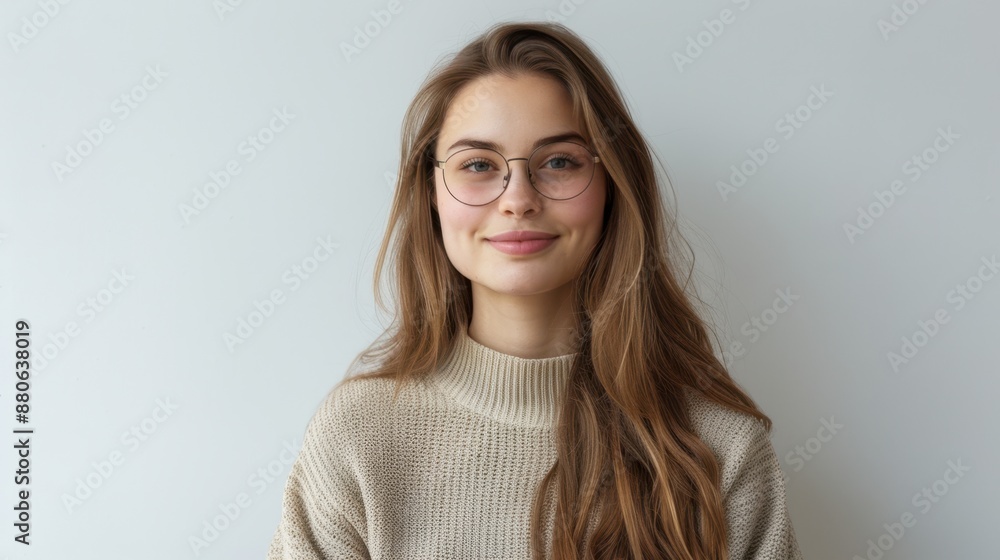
549, 390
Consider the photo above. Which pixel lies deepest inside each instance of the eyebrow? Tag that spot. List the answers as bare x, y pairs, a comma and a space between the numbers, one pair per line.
475, 143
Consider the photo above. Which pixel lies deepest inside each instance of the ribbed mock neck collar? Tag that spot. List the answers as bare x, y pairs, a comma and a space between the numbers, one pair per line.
510, 389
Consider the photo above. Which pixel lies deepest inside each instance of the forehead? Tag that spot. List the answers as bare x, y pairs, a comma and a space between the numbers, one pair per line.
510, 111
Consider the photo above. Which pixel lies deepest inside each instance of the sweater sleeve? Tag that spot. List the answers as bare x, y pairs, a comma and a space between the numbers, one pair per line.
322, 513
758, 524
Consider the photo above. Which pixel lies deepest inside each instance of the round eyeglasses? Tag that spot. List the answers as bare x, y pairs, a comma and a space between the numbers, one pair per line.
557, 170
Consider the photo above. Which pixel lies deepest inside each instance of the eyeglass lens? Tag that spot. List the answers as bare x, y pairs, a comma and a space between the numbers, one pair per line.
559, 170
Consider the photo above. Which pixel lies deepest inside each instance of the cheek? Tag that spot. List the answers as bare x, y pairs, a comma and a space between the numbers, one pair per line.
459, 223
589, 213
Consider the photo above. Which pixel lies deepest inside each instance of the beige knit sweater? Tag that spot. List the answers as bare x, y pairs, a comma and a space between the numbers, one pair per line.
450, 470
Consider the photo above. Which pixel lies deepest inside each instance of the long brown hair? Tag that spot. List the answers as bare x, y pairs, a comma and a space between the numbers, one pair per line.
624, 436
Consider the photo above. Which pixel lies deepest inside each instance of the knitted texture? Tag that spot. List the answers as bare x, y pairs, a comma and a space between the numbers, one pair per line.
450, 470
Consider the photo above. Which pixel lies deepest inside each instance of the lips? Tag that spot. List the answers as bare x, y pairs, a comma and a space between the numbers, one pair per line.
521, 235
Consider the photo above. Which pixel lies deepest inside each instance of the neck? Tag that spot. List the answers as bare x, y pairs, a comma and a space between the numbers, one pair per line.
507, 388
539, 325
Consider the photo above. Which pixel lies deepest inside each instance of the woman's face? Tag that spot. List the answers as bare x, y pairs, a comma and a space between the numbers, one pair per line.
515, 113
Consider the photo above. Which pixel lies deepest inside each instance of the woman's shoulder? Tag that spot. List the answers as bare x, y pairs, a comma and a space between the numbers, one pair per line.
359, 405
728, 432
740, 441
706, 411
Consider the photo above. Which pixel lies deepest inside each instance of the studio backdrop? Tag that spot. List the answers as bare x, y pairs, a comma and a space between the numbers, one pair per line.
192, 195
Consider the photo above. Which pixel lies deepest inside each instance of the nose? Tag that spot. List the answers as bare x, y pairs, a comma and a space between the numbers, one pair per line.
520, 180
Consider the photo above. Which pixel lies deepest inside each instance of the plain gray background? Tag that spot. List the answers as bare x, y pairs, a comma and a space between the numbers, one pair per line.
132, 269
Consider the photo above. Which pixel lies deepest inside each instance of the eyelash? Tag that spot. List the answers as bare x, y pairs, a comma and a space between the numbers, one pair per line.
472, 162
566, 157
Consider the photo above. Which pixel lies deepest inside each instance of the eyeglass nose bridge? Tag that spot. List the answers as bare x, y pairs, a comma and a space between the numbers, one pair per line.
506, 178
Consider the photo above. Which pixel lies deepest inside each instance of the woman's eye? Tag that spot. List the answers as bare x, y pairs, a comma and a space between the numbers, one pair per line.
560, 162
477, 166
